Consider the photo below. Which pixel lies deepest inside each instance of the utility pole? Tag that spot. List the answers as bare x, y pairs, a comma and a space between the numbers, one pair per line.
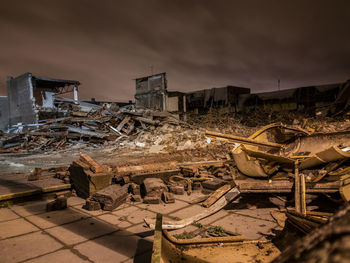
279, 84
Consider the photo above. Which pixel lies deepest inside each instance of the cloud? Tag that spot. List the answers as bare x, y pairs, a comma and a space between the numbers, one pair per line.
200, 44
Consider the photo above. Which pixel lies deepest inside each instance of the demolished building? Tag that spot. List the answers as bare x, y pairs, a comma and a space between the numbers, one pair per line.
152, 93
225, 97
31, 98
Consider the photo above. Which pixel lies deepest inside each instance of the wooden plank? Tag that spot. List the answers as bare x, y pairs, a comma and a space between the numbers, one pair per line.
157, 244
297, 188
217, 194
221, 203
302, 194
283, 186
123, 122
242, 139
94, 166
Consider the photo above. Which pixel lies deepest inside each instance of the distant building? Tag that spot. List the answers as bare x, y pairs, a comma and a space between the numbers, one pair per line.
302, 99
225, 97
152, 93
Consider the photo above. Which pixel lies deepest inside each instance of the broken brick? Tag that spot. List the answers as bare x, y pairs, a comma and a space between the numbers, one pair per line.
136, 198
94, 166
196, 186
58, 204
111, 197
87, 182
61, 174
35, 175
134, 189
64, 193
154, 184
92, 205
177, 189
168, 197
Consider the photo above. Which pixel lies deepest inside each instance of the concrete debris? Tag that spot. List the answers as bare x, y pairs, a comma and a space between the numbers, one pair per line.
213, 184
64, 193
35, 175
168, 197
111, 197
177, 189
58, 204
93, 128
152, 185
151, 199
84, 180
92, 205
136, 198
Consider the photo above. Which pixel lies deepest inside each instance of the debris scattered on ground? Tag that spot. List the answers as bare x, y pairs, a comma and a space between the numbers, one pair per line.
58, 204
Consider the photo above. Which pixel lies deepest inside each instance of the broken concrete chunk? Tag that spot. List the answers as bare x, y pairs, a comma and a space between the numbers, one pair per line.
154, 184
125, 179
111, 197
134, 189
66, 180
61, 174
92, 205
151, 200
35, 175
168, 197
64, 193
58, 204
196, 186
177, 189
213, 184
227, 178
87, 182
94, 166
136, 198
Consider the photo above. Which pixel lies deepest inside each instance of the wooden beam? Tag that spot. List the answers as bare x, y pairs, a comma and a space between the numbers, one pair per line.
217, 194
297, 187
217, 135
302, 194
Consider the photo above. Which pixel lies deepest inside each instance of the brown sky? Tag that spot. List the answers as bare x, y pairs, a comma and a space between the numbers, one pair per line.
200, 44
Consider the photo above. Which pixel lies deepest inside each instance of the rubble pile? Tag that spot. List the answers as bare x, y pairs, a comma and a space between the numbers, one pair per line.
244, 124
93, 128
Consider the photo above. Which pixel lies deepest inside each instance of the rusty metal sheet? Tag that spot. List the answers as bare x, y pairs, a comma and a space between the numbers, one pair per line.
248, 166
331, 154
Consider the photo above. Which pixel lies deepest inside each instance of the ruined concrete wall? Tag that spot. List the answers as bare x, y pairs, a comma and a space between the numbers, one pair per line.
21, 100
151, 92
172, 104
4, 113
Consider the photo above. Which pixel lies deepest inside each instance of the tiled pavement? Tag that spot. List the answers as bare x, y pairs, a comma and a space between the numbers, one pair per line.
30, 234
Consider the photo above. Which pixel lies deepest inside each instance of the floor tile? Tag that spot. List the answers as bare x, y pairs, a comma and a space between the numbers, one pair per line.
16, 227
27, 246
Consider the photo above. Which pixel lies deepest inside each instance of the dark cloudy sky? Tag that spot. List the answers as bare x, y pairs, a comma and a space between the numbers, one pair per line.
200, 44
